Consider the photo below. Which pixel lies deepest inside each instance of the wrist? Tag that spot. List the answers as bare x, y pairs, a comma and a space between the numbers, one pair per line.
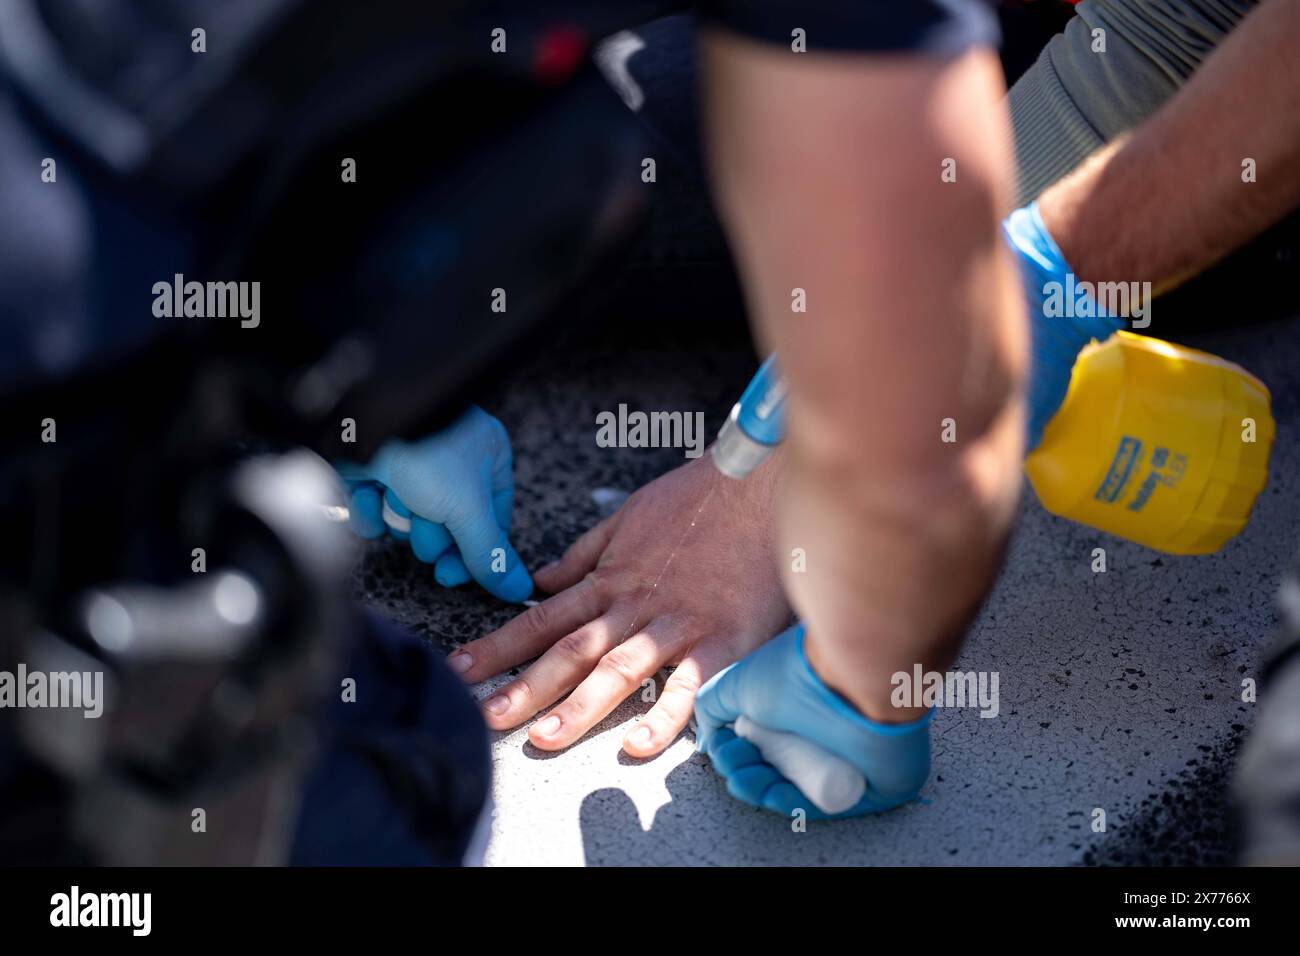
1048, 234
1076, 215
870, 697
1058, 214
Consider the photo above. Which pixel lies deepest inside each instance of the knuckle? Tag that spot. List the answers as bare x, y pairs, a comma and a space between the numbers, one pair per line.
677, 700
520, 691
576, 710
622, 664
597, 580
595, 591
607, 586
692, 625
537, 619
683, 683
573, 647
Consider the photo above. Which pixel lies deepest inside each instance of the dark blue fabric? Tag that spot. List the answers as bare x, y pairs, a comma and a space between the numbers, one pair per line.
405, 771
940, 27
78, 259
666, 71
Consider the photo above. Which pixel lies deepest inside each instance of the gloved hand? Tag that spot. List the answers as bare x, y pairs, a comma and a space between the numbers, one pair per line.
1057, 338
776, 687
450, 495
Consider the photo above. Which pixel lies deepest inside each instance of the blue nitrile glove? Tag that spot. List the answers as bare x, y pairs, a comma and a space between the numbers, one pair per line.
775, 686
456, 492
1057, 339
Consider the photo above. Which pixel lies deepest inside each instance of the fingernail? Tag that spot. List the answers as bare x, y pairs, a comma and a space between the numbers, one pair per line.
640, 737
497, 705
460, 662
548, 568
549, 726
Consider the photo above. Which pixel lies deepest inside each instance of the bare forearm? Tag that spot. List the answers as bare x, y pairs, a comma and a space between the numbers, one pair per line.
829, 176
1172, 197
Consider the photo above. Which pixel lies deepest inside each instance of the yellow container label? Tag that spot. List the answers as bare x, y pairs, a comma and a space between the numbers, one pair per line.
1161, 444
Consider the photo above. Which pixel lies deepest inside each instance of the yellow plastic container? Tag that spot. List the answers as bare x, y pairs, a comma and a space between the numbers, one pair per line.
1152, 444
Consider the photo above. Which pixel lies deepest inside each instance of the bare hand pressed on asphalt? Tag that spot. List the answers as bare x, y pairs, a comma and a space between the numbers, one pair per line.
634, 595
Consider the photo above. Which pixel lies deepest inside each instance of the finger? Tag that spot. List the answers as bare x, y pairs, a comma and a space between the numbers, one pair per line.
525, 636
785, 798
716, 705
503, 460
450, 571
364, 512
672, 712
620, 672
352, 472
555, 673
503, 480
749, 784
732, 754
429, 539
578, 560
503, 504
487, 552
397, 517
